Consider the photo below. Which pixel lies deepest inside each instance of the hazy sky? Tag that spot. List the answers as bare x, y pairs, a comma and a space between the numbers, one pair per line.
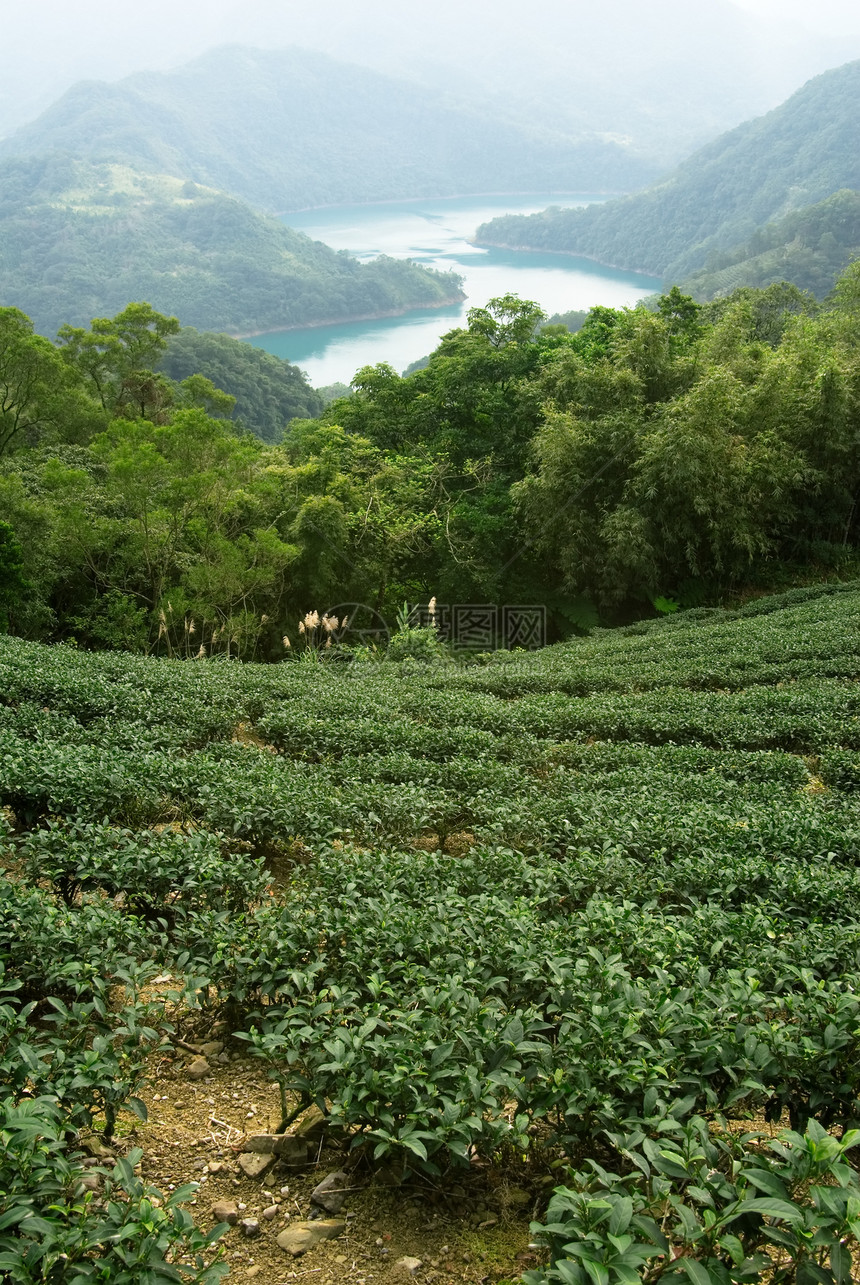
831, 17
49, 44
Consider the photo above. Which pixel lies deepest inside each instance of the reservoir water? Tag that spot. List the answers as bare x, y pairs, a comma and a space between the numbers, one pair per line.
435, 232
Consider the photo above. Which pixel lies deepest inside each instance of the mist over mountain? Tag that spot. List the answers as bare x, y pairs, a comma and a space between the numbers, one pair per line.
795, 156
294, 128
665, 75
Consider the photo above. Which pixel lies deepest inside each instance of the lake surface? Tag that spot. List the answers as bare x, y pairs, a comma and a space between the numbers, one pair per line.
435, 233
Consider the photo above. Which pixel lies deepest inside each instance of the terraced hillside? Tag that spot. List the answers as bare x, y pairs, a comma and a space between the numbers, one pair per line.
587, 908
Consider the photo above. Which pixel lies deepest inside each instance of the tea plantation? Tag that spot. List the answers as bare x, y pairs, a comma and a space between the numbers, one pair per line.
598, 906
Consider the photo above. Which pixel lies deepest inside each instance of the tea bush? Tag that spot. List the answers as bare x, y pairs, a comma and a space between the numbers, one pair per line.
594, 901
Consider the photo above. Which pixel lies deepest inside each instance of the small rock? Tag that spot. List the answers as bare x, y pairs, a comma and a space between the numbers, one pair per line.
290, 1149
250, 1227
331, 1193
224, 1211
517, 1196
215, 1166
488, 1222
300, 1237
268, 1144
89, 1182
98, 1149
251, 1272
312, 1126
254, 1165
198, 1068
410, 1265
212, 1047
270, 1213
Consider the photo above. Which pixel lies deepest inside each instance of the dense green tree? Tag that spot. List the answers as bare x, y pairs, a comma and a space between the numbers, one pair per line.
13, 584
38, 396
665, 452
117, 357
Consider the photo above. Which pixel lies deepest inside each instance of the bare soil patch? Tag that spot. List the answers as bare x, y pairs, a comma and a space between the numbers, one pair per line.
472, 1226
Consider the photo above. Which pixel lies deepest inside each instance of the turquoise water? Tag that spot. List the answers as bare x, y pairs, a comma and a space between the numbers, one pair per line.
435, 233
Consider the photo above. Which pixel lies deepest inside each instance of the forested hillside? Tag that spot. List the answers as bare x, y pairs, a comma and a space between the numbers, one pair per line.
650, 460
291, 128
809, 247
795, 156
269, 392
79, 240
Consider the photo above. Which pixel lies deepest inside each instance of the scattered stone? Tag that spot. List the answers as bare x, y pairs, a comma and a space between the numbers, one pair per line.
98, 1149
410, 1265
292, 1150
251, 1272
250, 1227
198, 1068
216, 1166
331, 1193
300, 1237
270, 1213
89, 1182
254, 1165
212, 1047
224, 1211
313, 1125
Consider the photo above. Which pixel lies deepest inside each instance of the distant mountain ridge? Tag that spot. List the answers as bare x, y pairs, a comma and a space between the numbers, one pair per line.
291, 129
795, 156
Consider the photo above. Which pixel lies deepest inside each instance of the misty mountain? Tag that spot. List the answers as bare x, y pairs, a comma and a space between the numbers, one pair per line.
667, 75
290, 129
80, 240
795, 156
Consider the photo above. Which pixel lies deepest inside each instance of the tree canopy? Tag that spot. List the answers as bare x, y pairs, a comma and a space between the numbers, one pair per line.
665, 455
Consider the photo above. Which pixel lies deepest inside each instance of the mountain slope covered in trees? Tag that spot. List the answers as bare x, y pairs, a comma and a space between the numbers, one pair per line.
809, 247
795, 156
292, 128
269, 392
78, 240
